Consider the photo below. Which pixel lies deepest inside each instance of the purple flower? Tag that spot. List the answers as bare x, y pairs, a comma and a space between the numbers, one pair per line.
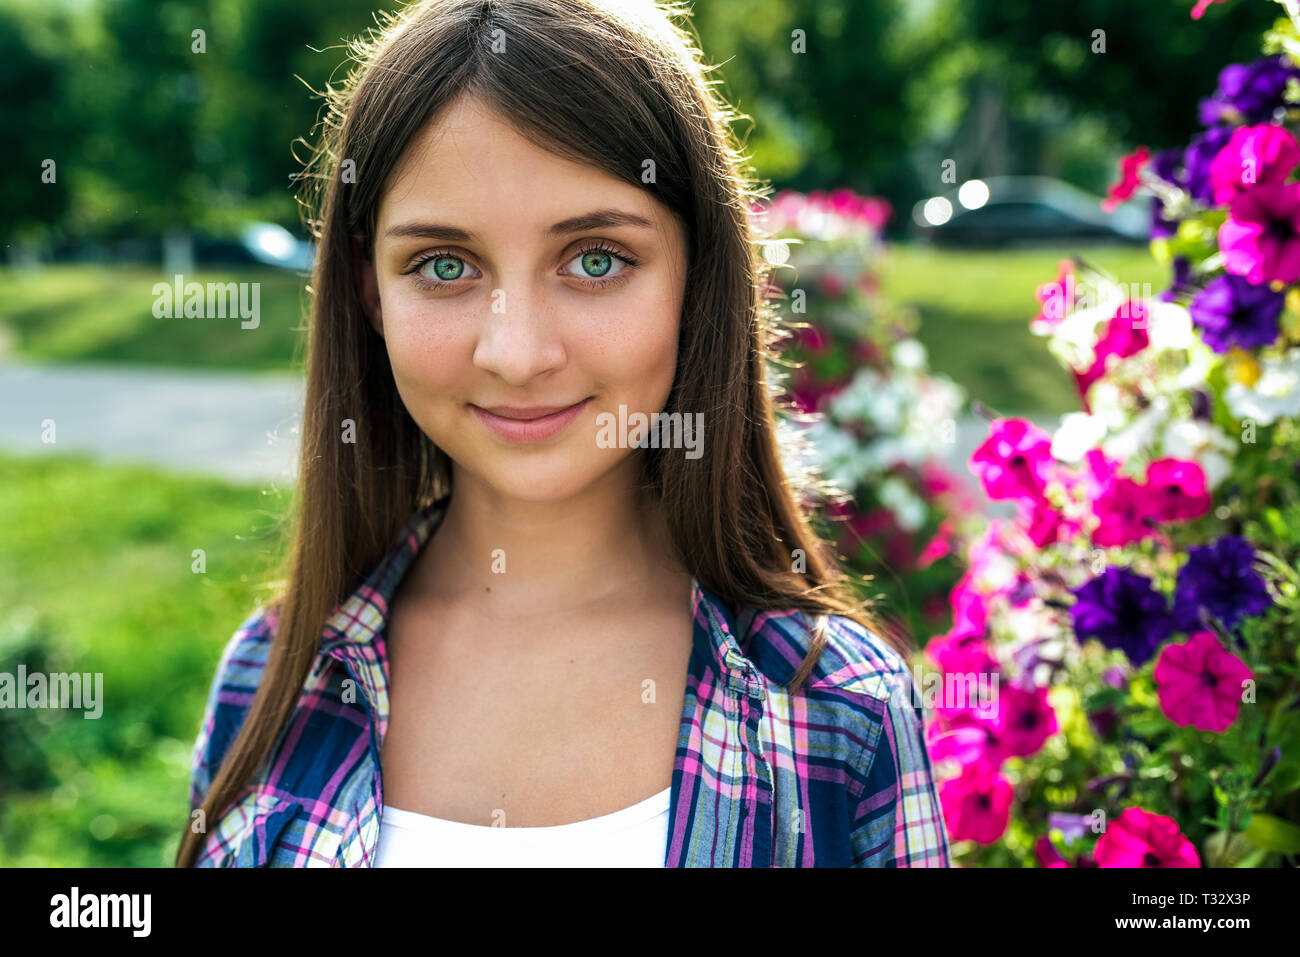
1182, 276
1162, 227
1222, 578
1202, 405
1121, 610
1166, 164
1253, 90
1071, 826
1233, 312
1198, 156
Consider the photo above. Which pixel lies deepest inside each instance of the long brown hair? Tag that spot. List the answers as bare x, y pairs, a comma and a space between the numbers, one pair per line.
736, 518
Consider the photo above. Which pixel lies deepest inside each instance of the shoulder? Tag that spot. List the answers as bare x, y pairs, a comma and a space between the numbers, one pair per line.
854, 661
230, 693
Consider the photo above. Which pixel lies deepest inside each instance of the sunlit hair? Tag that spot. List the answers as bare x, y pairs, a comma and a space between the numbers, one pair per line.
610, 85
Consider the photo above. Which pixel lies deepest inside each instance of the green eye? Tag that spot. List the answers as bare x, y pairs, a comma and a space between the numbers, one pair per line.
446, 268
596, 264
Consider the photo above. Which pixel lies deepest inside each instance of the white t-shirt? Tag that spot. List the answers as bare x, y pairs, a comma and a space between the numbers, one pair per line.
636, 836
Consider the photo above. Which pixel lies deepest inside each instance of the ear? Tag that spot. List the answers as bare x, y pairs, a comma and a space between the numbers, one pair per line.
364, 272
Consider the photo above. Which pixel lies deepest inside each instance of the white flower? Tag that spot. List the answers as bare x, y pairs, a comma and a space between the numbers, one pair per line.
1200, 360
1206, 444
835, 452
1169, 325
1141, 432
1077, 433
908, 509
1075, 337
1107, 401
909, 354
1276, 394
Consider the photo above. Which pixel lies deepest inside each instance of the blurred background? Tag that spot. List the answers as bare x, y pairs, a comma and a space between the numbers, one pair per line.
145, 460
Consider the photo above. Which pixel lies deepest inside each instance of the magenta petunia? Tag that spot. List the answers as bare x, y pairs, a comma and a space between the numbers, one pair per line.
976, 804
1047, 854
1199, 683
1025, 720
1123, 514
1130, 168
964, 743
1254, 156
1177, 490
1260, 239
1057, 299
960, 653
1015, 461
1125, 335
1139, 838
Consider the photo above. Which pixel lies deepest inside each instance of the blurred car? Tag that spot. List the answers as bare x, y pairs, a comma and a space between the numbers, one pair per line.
1022, 210
264, 244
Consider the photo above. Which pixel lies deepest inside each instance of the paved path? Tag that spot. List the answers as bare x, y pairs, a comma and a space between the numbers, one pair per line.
240, 426
237, 425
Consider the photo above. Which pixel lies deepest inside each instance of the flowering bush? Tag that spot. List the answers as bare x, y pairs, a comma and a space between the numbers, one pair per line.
1139, 615
862, 405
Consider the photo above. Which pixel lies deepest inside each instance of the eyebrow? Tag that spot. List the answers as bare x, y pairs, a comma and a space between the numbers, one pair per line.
597, 219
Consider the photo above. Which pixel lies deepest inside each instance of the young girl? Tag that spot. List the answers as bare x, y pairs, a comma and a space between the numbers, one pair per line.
546, 569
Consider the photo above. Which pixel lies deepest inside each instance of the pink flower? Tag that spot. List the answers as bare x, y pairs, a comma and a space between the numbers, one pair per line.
1177, 490
1015, 461
970, 613
976, 804
1047, 854
813, 339
938, 546
958, 653
1045, 525
1057, 299
1095, 476
1201, 6
1256, 155
831, 285
1139, 838
1199, 683
1122, 514
1025, 720
1260, 239
1130, 166
1125, 335
963, 744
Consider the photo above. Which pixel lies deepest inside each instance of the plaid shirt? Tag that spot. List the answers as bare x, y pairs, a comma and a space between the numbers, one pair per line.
836, 775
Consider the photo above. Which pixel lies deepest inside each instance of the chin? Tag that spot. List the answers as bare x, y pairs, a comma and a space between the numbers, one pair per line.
554, 477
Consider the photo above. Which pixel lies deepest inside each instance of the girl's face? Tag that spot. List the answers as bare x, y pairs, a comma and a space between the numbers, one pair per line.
506, 278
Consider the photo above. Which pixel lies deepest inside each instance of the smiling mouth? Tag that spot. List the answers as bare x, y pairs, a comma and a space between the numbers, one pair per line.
525, 413
528, 424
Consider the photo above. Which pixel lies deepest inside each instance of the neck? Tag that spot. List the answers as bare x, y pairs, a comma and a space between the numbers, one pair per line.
516, 557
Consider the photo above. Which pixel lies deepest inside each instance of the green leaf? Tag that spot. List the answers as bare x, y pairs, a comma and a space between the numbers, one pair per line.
1273, 834
1231, 854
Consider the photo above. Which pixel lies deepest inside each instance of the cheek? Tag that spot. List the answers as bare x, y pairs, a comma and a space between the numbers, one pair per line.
636, 352
430, 349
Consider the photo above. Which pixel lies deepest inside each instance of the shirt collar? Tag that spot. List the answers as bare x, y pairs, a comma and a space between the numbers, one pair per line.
730, 633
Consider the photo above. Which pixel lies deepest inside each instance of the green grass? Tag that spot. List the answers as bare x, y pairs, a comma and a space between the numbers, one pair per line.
96, 576
975, 308
102, 313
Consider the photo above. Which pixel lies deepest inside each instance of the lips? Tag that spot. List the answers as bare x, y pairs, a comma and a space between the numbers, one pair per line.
524, 413
528, 423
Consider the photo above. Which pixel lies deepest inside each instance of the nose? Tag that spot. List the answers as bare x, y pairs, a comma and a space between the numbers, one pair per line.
518, 338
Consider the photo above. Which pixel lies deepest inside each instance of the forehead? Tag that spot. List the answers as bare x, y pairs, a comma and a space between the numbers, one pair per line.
470, 167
